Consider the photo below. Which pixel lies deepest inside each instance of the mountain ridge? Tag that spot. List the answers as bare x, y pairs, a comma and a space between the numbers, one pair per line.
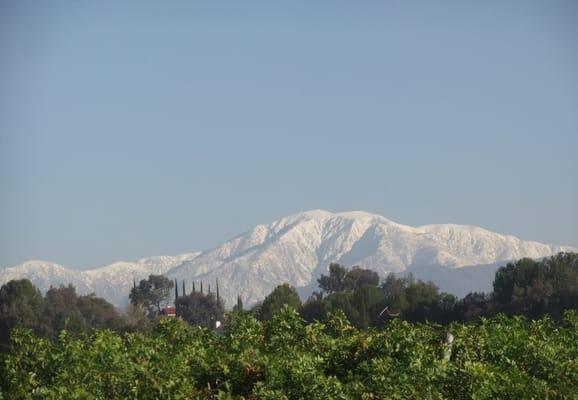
297, 249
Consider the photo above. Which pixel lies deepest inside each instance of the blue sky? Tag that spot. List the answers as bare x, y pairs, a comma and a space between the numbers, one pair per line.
139, 128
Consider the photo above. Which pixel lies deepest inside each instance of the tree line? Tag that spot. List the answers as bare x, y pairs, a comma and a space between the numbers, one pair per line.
531, 288
22, 304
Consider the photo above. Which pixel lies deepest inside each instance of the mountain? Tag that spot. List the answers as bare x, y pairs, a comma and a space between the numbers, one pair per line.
298, 249
112, 282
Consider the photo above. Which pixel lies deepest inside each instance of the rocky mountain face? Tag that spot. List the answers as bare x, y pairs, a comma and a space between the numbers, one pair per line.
299, 248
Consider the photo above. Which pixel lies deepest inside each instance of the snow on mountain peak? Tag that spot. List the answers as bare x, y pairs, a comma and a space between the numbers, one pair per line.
297, 249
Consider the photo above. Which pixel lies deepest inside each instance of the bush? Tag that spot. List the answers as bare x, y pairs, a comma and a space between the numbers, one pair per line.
501, 357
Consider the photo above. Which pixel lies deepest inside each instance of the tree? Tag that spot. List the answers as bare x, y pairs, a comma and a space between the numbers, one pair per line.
21, 304
368, 300
472, 306
200, 309
422, 300
335, 281
97, 312
239, 306
314, 308
282, 294
152, 293
358, 277
136, 319
61, 310
341, 301
533, 288
393, 289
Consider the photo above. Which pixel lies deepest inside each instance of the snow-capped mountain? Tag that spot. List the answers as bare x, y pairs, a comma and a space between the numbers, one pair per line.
298, 249
113, 282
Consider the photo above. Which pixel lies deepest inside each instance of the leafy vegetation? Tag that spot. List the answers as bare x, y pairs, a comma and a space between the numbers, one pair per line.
357, 338
282, 295
152, 293
527, 287
200, 309
21, 304
286, 358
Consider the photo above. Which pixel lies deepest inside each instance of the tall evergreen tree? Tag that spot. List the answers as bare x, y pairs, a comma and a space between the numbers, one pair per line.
176, 289
184, 293
218, 298
239, 306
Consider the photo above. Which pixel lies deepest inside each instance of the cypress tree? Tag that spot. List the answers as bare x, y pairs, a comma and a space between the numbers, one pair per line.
176, 290
194, 290
209, 288
184, 293
239, 303
201, 286
217, 289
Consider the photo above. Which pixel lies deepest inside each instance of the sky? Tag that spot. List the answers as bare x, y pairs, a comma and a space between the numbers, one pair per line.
138, 128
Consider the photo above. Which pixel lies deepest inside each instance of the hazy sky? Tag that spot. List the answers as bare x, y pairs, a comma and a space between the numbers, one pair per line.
138, 128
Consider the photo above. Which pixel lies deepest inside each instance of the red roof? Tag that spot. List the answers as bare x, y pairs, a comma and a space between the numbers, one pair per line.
170, 311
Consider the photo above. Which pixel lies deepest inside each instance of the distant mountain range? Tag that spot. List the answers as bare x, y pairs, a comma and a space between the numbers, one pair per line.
299, 248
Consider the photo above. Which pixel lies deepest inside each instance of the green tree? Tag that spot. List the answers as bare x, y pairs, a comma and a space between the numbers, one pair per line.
282, 294
533, 288
358, 277
335, 281
368, 300
239, 306
473, 306
153, 293
21, 304
422, 301
98, 313
200, 309
314, 308
393, 289
61, 310
341, 301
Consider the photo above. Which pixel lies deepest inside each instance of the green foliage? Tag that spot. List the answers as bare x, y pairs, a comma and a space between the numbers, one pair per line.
21, 304
152, 293
341, 279
313, 309
335, 281
239, 306
533, 288
358, 277
282, 295
346, 351
358, 294
200, 309
284, 358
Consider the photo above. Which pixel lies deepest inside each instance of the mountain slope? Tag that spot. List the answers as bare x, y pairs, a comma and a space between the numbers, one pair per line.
298, 249
112, 282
